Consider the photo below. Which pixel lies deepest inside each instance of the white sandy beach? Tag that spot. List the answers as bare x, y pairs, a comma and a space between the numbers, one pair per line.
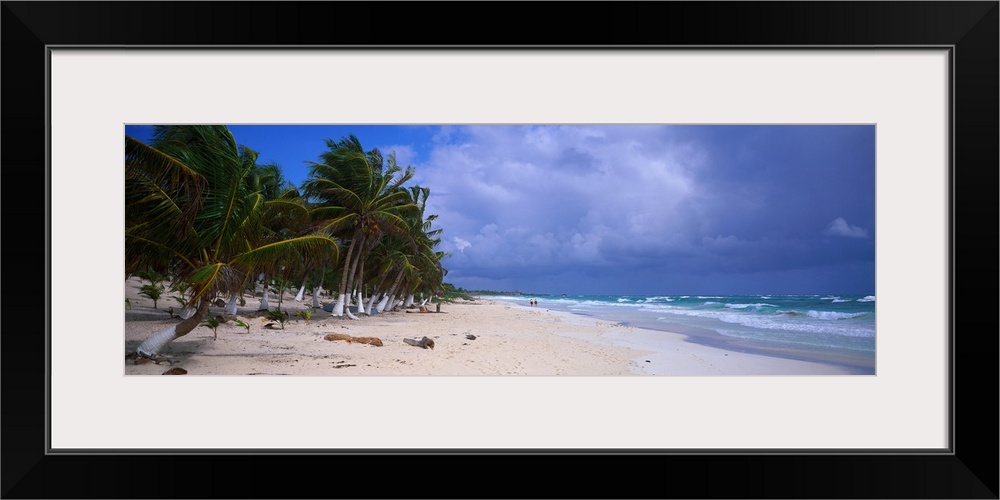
509, 340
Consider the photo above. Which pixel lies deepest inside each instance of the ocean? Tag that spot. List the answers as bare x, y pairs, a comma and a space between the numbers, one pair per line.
834, 329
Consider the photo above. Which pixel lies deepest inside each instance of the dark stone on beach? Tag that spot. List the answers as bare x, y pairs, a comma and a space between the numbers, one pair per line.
470, 337
647, 361
175, 371
219, 303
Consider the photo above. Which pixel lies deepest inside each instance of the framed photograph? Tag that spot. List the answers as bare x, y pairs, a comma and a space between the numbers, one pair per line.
916, 81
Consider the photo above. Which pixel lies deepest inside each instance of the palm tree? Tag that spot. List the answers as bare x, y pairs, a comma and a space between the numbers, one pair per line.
406, 263
190, 209
360, 197
423, 240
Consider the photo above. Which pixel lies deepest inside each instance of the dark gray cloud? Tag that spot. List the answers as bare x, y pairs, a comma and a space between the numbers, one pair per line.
560, 207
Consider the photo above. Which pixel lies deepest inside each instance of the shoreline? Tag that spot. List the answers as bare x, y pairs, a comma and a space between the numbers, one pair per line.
480, 337
846, 362
673, 353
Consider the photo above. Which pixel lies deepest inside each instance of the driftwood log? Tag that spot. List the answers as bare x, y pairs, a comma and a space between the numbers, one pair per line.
423, 310
423, 342
375, 341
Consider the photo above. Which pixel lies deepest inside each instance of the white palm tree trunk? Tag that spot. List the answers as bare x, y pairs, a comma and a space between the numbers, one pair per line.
316, 292
361, 304
302, 291
350, 314
371, 303
338, 308
264, 306
409, 301
382, 303
231, 305
154, 344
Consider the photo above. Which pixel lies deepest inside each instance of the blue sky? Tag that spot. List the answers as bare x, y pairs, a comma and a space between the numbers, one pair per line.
619, 209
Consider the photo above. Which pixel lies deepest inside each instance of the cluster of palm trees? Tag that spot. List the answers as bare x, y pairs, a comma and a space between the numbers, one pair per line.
201, 210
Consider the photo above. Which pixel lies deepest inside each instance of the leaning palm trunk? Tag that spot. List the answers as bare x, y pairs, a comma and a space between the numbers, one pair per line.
409, 301
187, 312
371, 302
153, 345
382, 303
361, 281
350, 314
354, 266
301, 294
338, 309
318, 290
390, 296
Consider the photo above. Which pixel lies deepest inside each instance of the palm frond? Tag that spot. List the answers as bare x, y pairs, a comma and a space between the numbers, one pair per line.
322, 247
146, 166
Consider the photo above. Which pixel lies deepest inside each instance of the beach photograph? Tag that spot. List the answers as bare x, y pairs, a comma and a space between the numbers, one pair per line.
499, 250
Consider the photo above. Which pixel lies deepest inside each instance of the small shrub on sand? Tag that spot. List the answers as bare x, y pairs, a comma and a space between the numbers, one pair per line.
243, 324
278, 315
304, 314
213, 322
152, 291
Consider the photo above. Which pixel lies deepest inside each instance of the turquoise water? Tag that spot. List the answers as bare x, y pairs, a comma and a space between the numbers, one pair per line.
837, 329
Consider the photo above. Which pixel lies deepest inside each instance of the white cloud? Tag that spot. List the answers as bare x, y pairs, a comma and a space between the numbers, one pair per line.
840, 227
405, 154
460, 244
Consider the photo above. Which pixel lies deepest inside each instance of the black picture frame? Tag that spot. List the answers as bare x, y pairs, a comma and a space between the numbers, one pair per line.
970, 470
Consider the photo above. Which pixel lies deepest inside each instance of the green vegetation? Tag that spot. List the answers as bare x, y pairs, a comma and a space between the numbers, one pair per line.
278, 315
449, 293
180, 287
152, 291
153, 277
281, 284
305, 314
361, 199
201, 210
244, 324
213, 322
